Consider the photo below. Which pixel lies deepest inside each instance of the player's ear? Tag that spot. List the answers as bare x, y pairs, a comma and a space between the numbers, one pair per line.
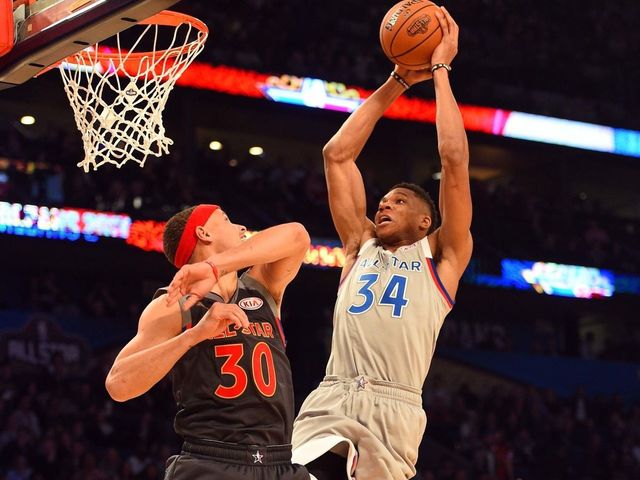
425, 223
203, 235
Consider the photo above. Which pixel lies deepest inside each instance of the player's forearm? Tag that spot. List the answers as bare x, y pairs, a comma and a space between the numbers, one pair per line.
349, 141
452, 138
134, 375
268, 246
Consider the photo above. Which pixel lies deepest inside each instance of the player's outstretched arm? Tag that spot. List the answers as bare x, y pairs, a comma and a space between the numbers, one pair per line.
275, 255
278, 254
347, 199
454, 237
159, 344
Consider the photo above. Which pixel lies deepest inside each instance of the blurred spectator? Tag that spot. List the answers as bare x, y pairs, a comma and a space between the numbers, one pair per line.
21, 469
79, 433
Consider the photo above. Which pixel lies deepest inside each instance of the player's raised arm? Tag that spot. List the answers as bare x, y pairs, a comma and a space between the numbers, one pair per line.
275, 255
347, 198
160, 343
454, 237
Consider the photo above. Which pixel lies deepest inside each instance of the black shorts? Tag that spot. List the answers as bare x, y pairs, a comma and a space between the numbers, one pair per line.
228, 461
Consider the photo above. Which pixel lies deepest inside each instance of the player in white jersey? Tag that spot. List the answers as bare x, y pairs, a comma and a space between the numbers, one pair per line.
397, 285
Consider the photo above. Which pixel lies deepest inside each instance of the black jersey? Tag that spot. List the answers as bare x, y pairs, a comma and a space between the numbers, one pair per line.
237, 387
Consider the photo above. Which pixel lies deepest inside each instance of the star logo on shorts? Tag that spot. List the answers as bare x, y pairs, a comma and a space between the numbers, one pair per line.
361, 383
257, 457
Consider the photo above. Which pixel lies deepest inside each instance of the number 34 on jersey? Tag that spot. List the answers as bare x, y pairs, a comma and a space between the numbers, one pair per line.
393, 294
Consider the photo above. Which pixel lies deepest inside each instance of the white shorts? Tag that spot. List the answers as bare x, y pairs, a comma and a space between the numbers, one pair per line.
384, 422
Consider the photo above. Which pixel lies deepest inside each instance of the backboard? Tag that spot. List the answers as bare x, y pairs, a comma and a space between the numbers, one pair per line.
46, 31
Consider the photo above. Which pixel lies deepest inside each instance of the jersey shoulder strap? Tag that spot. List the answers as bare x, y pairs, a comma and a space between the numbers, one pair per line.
426, 248
187, 318
248, 282
372, 242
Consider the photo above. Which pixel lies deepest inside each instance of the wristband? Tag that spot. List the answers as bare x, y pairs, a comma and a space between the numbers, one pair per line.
440, 65
400, 80
216, 274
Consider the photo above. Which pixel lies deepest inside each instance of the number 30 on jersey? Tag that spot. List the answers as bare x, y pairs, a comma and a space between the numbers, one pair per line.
393, 294
261, 354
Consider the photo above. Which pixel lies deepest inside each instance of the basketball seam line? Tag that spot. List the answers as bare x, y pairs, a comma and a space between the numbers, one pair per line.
412, 49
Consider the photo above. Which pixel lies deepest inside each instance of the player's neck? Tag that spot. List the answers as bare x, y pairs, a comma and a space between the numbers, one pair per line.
395, 244
227, 284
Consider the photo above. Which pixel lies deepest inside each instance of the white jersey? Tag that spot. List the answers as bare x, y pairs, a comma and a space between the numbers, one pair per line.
388, 315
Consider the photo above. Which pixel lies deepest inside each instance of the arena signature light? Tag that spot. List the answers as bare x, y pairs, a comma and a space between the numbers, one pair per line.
61, 223
317, 93
557, 279
311, 92
75, 224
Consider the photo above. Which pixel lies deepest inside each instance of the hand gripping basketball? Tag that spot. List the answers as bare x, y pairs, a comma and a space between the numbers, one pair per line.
413, 76
444, 53
447, 49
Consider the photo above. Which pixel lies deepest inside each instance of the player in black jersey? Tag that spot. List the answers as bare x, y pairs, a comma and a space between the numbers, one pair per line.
224, 347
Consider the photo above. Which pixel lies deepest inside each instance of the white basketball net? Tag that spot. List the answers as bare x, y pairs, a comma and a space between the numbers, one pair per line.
118, 99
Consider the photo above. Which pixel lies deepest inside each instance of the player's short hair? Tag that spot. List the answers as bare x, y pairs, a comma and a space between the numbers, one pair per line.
173, 232
423, 195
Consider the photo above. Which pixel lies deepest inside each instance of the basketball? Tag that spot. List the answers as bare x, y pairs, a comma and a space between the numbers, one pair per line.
410, 32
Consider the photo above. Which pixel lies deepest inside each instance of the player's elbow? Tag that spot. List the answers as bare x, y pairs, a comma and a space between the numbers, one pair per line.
453, 153
116, 388
333, 153
300, 236
329, 152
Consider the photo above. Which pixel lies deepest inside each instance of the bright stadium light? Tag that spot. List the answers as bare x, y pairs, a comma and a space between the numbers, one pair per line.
215, 145
255, 151
27, 120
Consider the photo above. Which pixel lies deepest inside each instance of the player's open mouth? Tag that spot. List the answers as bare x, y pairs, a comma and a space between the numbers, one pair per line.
384, 219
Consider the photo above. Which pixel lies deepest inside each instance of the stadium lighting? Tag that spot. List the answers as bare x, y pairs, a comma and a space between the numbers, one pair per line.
27, 120
318, 93
256, 151
215, 146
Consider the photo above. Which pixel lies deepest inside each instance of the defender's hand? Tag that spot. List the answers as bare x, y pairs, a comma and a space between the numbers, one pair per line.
447, 49
195, 279
217, 318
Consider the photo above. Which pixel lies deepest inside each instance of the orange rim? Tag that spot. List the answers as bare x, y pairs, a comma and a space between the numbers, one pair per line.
165, 18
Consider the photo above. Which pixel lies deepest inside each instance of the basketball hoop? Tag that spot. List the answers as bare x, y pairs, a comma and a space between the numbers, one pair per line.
118, 95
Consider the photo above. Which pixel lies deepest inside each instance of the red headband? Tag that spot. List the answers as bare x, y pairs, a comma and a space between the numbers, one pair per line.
189, 239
